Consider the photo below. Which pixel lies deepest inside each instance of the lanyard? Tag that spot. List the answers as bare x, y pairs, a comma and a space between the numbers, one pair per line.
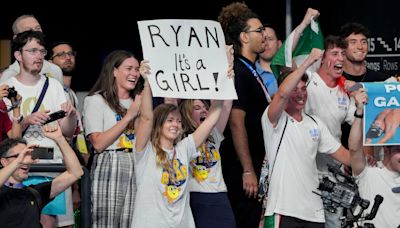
259, 79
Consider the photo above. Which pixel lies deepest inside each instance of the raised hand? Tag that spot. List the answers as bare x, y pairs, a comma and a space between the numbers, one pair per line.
134, 108
311, 14
314, 56
52, 131
230, 55
25, 156
3, 91
144, 69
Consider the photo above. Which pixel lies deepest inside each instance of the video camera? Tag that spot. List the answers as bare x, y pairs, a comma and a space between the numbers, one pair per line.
344, 193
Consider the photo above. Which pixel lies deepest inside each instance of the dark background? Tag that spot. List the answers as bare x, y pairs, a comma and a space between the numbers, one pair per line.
97, 29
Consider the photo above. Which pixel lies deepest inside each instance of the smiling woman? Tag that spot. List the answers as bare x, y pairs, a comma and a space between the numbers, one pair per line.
109, 114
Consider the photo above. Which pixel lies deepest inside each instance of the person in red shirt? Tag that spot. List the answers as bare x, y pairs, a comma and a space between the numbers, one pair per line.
9, 128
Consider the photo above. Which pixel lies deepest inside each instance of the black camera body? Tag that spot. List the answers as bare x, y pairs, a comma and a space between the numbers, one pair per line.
12, 93
43, 153
343, 193
55, 116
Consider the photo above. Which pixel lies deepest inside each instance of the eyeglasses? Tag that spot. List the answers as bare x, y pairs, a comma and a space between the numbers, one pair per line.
12, 156
35, 51
63, 55
259, 30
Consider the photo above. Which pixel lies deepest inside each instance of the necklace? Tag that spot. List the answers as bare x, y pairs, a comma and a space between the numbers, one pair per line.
363, 76
170, 168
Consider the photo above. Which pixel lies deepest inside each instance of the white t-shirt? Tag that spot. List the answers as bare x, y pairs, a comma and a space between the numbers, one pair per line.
98, 117
294, 175
159, 202
49, 69
206, 169
334, 107
373, 181
52, 101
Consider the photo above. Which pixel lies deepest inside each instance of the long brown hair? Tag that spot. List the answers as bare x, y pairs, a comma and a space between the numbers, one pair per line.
189, 125
161, 113
106, 84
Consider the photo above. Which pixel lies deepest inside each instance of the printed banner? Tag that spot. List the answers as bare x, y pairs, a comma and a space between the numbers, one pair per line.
382, 114
187, 59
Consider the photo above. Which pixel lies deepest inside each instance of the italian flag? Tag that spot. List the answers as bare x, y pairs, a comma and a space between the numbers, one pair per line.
311, 38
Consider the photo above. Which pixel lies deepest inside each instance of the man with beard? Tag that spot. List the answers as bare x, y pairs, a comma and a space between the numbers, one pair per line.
21, 24
263, 63
63, 55
242, 151
29, 51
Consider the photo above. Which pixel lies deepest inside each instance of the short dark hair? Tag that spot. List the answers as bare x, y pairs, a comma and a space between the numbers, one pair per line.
287, 71
55, 44
332, 41
21, 39
233, 19
7, 144
271, 26
353, 27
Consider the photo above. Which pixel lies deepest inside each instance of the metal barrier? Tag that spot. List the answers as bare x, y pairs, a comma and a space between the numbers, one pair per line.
85, 217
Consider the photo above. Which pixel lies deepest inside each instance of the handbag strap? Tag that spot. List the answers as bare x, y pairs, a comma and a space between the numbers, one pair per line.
39, 101
41, 96
277, 150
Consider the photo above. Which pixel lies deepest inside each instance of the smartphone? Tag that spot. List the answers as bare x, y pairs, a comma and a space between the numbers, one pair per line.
43, 153
55, 116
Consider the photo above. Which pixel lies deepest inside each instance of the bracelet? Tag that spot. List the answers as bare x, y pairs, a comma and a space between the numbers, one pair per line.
358, 115
247, 173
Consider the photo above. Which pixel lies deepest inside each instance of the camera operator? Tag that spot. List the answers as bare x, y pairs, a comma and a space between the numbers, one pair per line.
20, 205
8, 128
294, 175
373, 180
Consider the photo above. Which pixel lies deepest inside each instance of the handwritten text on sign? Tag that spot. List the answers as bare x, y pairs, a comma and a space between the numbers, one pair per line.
187, 59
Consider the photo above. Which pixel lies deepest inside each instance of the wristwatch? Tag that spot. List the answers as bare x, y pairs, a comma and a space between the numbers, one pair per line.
358, 115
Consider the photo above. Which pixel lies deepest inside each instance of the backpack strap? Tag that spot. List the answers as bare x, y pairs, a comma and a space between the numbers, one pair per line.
312, 118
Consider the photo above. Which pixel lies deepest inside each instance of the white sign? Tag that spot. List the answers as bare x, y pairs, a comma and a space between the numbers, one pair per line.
187, 59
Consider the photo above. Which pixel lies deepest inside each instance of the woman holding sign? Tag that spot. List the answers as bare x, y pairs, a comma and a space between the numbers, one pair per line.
162, 162
109, 113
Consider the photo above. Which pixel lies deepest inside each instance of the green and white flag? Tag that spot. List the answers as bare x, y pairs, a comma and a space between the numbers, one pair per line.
311, 38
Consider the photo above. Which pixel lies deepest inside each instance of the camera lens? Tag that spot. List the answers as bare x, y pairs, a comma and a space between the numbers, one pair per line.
326, 185
11, 93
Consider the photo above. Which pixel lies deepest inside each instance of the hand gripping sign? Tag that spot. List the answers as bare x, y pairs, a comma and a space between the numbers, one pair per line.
187, 59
